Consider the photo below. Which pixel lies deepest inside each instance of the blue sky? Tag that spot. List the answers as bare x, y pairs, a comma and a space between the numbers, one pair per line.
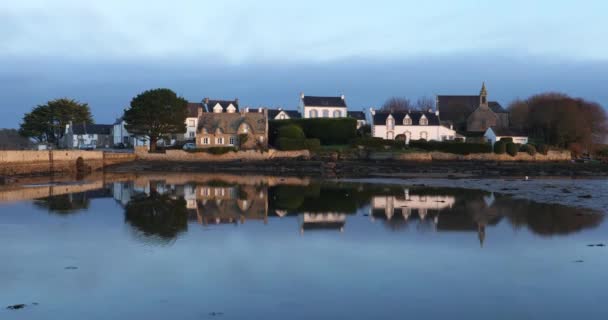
266, 52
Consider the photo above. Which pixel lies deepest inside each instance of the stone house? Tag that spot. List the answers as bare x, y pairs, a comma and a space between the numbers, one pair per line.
472, 113
322, 107
225, 129
410, 125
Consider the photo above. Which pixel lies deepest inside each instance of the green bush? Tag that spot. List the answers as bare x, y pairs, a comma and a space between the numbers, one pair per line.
528, 148
543, 149
512, 149
507, 140
291, 131
287, 144
451, 146
329, 131
376, 143
500, 147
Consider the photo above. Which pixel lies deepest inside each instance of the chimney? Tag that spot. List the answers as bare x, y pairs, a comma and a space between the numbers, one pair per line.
301, 95
437, 112
260, 110
372, 111
430, 110
200, 111
236, 101
206, 101
342, 96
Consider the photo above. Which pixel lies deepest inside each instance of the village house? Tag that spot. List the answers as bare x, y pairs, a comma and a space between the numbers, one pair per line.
228, 127
195, 110
410, 125
359, 116
493, 135
122, 138
322, 107
87, 136
472, 113
281, 114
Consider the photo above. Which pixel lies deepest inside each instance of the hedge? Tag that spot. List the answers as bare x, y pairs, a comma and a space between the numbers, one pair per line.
376, 143
528, 148
291, 131
329, 131
500, 147
512, 149
451, 146
287, 144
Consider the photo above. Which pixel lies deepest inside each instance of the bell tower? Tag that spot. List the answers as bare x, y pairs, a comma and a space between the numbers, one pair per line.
483, 96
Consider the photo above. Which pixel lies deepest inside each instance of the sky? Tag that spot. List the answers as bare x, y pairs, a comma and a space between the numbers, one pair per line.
267, 52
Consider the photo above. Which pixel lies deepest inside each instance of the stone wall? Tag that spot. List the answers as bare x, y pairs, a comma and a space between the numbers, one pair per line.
44, 162
441, 156
248, 155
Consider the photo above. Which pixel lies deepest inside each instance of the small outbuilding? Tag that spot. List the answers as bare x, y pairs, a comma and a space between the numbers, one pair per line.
493, 135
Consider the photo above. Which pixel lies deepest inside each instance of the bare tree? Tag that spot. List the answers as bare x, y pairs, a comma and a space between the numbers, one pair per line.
397, 104
424, 103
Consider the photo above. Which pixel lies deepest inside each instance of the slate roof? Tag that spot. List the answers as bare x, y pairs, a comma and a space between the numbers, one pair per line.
193, 109
311, 101
456, 108
506, 132
496, 107
229, 122
293, 114
209, 104
359, 115
380, 117
101, 129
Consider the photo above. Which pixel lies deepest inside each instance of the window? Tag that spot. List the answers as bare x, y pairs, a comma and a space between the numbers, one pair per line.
424, 121
390, 123
191, 123
337, 114
191, 134
282, 116
220, 140
313, 114
407, 121
325, 113
232, 140
205, 140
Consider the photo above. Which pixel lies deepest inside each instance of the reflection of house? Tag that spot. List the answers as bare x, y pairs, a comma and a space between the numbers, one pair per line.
410, 125
322, 107
492, 135
322, 221
390, 206
473, 113
88, 136
228, 204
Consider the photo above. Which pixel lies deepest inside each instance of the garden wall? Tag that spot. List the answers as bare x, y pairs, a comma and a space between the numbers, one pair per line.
248, 155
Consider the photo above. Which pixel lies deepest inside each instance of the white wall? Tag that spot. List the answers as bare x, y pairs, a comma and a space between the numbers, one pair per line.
320, 111
436, 133
191, 125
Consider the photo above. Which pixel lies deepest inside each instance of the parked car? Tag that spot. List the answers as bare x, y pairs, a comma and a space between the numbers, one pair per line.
189, 146
88, 147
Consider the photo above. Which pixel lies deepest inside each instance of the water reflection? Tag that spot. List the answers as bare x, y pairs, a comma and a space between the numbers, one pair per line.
161, 209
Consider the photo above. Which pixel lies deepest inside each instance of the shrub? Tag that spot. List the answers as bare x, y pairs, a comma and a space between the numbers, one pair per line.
528, 148
287, 144
512, 149
543, 149
451, 146
507, 140
291, 131
243, 140
329, 131
500, 147
376, 143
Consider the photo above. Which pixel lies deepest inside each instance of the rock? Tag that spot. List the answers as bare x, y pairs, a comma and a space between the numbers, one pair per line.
590, 245
216, 314
578, 261
600, 245
71, 268
16, 307
587, 196
566, 191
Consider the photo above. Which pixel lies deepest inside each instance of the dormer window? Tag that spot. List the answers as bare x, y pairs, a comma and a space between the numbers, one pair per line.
231, 109
217, 108
407, 121
424, 121
390, 123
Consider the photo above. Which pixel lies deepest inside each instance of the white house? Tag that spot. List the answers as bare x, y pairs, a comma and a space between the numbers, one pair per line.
322, 107
120, 135
84, 135
281, 114
359, 116
410, 125
493, 135
195, 110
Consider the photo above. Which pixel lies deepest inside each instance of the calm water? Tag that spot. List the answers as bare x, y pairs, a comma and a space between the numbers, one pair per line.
228, 247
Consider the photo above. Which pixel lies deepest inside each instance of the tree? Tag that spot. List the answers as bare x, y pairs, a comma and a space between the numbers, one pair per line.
155, 114
397, 104
424, 104
47, 122
560, 120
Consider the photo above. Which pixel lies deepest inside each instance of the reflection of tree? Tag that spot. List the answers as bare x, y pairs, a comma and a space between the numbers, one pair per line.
64, 204
157, 215
549, 219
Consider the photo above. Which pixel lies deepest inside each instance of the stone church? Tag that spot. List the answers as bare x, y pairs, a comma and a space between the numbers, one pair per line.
472, 113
